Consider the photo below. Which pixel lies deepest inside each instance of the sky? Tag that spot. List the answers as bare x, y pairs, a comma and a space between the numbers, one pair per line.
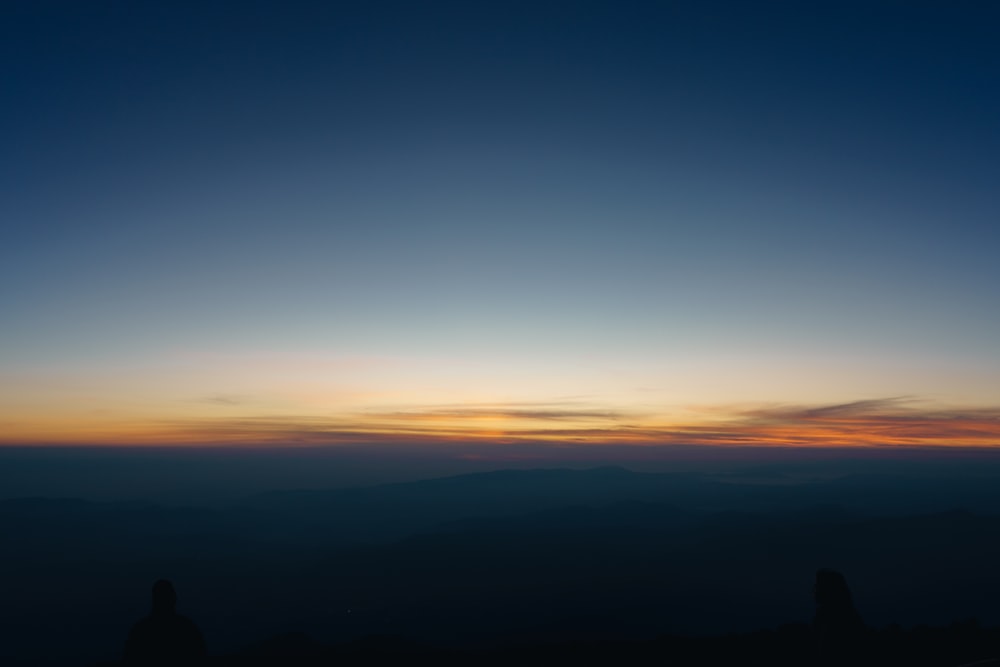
500, 223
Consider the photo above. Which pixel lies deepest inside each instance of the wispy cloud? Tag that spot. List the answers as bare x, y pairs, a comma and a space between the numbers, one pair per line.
223, 399
894, 421
500, 413
886, 421
863, 407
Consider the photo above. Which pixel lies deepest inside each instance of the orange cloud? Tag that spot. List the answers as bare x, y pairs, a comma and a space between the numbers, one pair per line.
866, 423
885, 422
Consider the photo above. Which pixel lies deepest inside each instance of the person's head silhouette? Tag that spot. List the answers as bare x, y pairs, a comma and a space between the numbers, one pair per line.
164, 638
164, 597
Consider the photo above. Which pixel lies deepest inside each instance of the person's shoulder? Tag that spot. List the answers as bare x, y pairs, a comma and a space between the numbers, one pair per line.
184, 621
188, 632
142, 625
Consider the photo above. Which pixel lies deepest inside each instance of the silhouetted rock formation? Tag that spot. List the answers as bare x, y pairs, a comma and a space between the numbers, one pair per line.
838, 625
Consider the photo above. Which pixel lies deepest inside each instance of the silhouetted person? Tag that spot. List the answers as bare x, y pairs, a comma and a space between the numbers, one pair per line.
164, 637
840, 632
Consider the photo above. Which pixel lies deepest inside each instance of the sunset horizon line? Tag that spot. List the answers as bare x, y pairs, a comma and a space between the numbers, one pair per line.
892, 422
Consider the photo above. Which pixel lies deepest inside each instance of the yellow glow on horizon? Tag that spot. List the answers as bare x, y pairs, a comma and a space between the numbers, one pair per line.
313, 397
885, 423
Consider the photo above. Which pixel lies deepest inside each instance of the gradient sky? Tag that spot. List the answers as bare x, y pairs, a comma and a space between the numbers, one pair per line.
423, 222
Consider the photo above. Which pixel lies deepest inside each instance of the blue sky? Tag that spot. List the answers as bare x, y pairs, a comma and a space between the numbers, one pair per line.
346, 209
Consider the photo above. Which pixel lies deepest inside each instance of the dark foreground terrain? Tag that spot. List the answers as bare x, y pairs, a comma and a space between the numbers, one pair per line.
532, 566
959, 644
